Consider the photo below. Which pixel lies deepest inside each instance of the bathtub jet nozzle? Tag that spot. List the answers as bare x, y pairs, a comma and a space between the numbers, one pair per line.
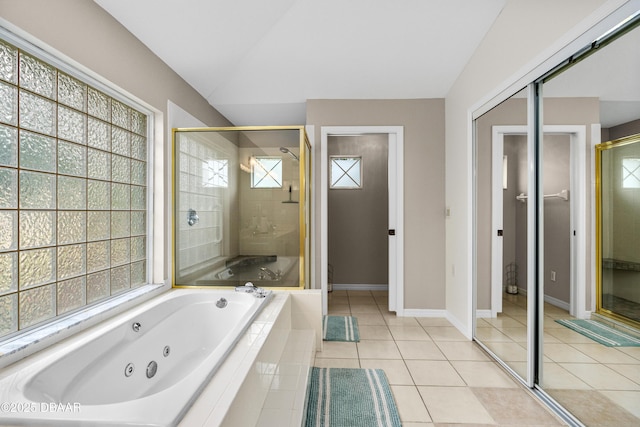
152, 368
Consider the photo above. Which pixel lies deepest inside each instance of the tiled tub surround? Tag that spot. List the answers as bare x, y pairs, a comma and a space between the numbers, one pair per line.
77, 371
263, 381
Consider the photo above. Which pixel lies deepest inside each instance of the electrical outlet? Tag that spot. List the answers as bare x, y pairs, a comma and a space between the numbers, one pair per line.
553, 276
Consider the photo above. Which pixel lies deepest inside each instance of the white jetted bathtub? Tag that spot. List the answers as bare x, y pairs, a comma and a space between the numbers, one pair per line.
144, 367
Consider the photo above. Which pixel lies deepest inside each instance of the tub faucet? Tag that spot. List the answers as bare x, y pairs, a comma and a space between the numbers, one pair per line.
250, 289
270, 273
247, 288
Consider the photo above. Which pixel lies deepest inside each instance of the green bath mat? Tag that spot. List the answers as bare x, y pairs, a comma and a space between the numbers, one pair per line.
340, 328
339, 397
601, 333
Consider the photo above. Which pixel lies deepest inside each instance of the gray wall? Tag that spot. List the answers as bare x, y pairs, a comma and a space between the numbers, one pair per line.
424, 220
514, 215
557, 217
359, 218
557, 213
620, 131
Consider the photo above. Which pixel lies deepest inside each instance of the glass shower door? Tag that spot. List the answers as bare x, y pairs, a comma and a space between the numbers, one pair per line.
241, 206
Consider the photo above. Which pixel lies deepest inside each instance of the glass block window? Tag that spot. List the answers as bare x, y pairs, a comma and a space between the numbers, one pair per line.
630, 173
266, 172
73, 192
346, 172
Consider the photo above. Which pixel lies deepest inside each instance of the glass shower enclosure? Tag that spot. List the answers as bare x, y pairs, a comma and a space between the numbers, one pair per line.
241, 207
618, 229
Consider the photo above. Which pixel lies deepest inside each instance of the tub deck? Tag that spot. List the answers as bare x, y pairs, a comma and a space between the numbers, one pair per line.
216, 401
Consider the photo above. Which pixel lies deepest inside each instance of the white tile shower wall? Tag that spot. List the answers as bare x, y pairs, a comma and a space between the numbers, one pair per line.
262, 209
202, 244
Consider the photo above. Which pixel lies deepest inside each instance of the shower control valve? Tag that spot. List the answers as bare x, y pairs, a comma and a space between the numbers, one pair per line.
192, 217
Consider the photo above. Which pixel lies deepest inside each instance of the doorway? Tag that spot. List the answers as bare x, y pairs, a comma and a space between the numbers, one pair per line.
565, 209
358, 217
394, 140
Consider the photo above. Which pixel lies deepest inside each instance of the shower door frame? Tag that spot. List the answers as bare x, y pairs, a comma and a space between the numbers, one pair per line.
304, 210
599, 149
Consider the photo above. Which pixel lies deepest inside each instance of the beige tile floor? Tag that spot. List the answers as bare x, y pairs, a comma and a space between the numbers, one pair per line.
578, 373
437, 376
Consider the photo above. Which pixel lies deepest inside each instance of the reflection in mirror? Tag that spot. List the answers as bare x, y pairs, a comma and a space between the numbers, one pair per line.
501, 240
618, 201
593, 99
601, 93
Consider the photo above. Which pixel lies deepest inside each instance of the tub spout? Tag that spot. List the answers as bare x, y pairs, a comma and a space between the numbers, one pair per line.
250, 289
247, 288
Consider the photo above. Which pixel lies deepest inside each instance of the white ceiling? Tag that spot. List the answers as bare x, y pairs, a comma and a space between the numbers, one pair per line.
610, 74
258, 61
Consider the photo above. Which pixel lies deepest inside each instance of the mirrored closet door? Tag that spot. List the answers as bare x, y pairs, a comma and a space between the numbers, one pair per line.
557, 238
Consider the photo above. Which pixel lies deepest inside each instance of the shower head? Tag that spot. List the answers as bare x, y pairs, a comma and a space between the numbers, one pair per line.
286, 150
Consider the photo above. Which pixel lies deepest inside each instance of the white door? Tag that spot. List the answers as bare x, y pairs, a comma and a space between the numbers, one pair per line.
396, 208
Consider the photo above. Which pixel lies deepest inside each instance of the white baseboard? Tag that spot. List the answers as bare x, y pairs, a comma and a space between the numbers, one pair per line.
551, 300
483, 314
558, 303
359, 287
418, 312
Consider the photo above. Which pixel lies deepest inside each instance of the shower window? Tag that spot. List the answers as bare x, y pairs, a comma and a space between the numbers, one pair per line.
266, 172
73, 192
630, 173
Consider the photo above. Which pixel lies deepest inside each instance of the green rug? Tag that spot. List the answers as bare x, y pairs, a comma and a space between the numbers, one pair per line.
339, 397
340, 328
601, 333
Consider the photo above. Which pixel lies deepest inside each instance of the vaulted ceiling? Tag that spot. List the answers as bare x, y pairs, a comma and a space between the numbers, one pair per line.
258, 61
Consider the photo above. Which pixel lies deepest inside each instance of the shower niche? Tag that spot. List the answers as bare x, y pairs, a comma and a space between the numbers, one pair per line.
241, 206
